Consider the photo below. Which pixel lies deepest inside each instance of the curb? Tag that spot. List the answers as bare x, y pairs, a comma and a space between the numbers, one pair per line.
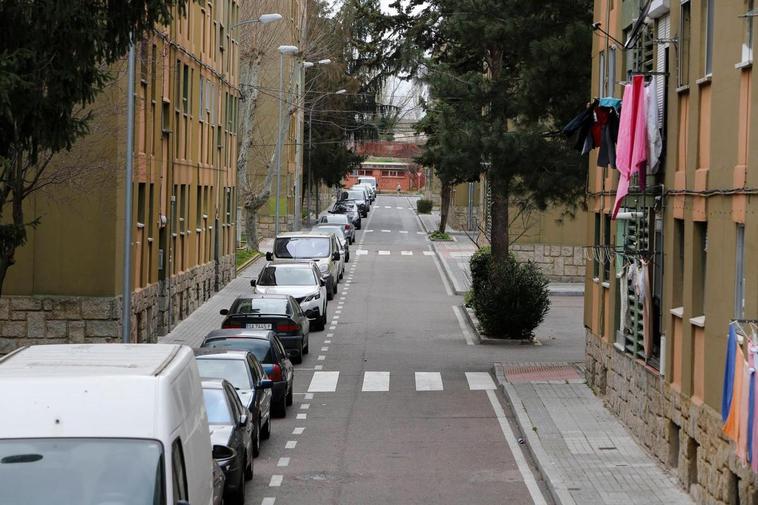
468, 314
249, 262
442, 261
546, 467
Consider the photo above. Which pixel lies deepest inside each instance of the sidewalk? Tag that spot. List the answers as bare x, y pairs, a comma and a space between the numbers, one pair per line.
584, 453
206, 318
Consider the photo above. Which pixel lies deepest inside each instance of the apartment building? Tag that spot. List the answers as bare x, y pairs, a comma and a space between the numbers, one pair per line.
67, 281
671, 273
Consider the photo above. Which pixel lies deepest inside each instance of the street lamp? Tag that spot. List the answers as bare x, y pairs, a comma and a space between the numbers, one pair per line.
310, 146
282, 51
264, 19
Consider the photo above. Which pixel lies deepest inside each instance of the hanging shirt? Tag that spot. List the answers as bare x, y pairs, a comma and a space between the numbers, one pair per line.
608, 136
726, 391
732, 426
654, 140
631, 149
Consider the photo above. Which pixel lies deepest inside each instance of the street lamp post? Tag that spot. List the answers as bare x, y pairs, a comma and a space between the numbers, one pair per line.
264, 19
310, 148
278, 153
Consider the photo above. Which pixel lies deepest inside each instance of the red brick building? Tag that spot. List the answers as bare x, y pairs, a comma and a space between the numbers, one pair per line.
392, 163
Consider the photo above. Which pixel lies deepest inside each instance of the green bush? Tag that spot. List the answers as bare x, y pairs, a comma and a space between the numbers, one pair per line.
424, 206
439, 235
510, 299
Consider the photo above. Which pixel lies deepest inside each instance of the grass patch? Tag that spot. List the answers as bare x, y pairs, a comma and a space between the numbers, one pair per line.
243, 255
439, 235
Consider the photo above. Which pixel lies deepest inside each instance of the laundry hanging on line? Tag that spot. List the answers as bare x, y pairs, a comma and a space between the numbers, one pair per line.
738, 403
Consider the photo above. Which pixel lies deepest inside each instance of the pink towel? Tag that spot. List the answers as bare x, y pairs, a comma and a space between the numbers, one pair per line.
631, 149
744, 412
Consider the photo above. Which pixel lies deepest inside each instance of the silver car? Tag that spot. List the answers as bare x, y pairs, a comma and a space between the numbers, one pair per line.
321, 248
342, 240
339, 220
301, 280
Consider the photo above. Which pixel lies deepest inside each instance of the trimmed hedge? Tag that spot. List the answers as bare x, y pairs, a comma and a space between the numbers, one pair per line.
510, 298
424, 206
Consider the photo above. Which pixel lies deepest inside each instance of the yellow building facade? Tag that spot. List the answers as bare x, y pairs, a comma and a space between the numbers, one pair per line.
66, 284
694, 229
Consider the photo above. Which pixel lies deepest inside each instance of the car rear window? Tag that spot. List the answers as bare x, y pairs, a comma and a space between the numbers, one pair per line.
355, 194
261, 306
216, 406
334, 218
233, 370
333, 229
259, 347
301, 247
287, 276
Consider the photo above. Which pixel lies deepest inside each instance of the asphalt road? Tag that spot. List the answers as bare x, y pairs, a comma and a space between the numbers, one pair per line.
394, 405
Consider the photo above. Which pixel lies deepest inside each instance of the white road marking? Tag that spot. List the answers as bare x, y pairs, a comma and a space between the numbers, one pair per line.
305, 406
480, 381
460, 254
283, 462
332, 327
329, 335
445, 282
327, 341
308, 396
369, 231
387, 206
406, 253
321, 357
428, 253
518, 456
384, 253
428, 381
376, 381
420, 233
386, 231
399, 208
318, 367
276, 481
302, 416
291, 444
334, 318
324, 382
268, 501
299, 430
324, 349
462, 324
403, 231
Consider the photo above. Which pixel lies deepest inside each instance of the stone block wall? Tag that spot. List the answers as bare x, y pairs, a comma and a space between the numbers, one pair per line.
29, 320
559, 263
683, 435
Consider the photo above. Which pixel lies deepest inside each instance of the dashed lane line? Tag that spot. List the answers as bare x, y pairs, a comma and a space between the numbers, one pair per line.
376, 381
276, 481
428, 381
324, 382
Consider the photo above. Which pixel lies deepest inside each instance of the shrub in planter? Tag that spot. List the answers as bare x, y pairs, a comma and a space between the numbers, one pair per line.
424, 206
510, 298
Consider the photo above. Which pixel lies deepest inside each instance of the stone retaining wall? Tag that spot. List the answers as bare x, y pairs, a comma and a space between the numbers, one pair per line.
559, 263
683, 435
27, 320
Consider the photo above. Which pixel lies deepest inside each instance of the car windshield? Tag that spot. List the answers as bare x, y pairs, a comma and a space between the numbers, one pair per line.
217, 406
287, 276
301, 247
81, 471
233, 370
334, 218
344, 206
259, 347
261, 306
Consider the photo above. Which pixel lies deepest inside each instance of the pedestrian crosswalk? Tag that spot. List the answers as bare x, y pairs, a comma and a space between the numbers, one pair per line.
384, 252
379, 381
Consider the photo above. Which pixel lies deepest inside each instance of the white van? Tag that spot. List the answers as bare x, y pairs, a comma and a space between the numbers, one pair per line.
103, 424
368, 179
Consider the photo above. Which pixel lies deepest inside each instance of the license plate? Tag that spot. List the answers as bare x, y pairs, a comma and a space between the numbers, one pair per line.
258, 326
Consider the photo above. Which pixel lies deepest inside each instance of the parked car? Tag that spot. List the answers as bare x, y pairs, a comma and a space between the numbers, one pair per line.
340, 248
279, 313
342, 220
342, 241
350, 209
270, 354
370, 180
321, 248
103, 423
245, 373
231, 426
299, 279
219, 479
359, 197
368, 190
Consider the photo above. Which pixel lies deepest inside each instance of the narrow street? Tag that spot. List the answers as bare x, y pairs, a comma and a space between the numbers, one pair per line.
393, 406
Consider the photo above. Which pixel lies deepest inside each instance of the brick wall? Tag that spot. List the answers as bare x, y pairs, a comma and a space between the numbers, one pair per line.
559, 263
683, 435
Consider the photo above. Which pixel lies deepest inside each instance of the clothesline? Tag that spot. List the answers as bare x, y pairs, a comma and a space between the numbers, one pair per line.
602, 254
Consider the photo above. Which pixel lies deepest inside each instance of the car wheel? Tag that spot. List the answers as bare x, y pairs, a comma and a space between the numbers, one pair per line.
280, 408
342, 274
347, 258
299, 358
329, 292
290, 394
266, 430
306, 349
256, 448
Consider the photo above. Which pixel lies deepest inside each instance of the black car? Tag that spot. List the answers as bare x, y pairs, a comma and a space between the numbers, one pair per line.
270, 353
350, 209
359, 198
245, 373
221, 455
280, 313
230, 425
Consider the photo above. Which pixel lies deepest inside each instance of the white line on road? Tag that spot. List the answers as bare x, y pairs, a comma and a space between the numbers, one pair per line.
369, 231
428, 381
321, 357
291, 444
462, 323
376, 381
283, 462
324, 382
334, 318
406, 253
445, 282
329, 335
327, 341
384, 253
298, 431
332, 327
518, 456
399, 208
428, 253
420, 233
386, 231
324, 349
305, 406
387, 206
268, 501
480, 381
318, 367
403, 231
302, 417
308, 396
276, 481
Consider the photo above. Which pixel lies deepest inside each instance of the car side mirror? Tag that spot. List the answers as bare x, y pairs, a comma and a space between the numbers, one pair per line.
269, 256
243, 419
252, 282
336, 256
224, 312
264, 384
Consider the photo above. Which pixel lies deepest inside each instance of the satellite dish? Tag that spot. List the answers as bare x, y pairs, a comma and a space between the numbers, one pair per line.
634, 34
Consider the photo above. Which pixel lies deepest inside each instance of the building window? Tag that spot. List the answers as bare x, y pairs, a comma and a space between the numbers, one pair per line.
684, 43
390, 173
709, 27
185, 89
699, 265
747, 44
739, 274
611, 78
608, 248
678, 277
601, 85
596, 256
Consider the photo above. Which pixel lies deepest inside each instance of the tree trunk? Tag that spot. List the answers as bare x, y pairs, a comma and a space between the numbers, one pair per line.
250, 71
499, 211
444, 205
251, 228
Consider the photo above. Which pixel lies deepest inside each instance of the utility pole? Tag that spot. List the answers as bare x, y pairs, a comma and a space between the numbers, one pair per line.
298, 222
126, 302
